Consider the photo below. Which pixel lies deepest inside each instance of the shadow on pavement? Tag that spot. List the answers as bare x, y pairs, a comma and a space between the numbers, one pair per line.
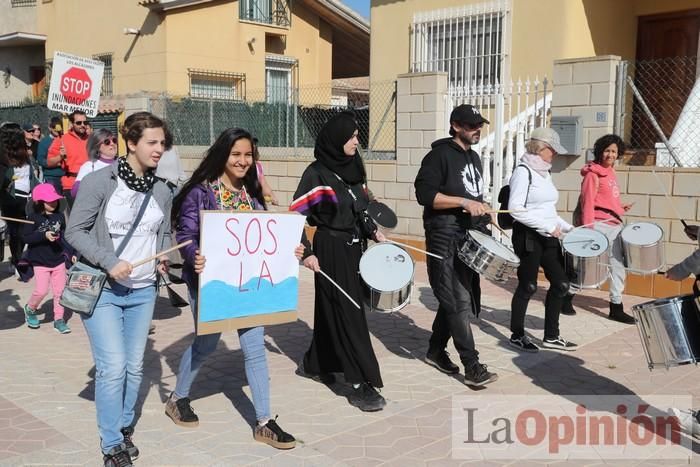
12, 316
565, 375
222, 372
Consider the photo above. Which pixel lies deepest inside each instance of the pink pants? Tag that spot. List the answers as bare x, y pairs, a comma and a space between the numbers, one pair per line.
44, 276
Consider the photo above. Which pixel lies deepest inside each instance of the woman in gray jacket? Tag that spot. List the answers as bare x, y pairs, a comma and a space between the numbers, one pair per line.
101, 220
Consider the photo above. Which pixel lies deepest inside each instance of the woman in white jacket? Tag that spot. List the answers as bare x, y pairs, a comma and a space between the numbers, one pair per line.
536, 233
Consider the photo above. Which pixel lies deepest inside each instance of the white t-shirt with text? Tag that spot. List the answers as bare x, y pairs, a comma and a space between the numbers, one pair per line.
121, 211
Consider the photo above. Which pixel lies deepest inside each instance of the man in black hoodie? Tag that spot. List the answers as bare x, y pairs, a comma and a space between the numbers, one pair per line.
449, 186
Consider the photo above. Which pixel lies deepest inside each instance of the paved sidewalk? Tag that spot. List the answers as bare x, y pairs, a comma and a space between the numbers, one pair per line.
47, 414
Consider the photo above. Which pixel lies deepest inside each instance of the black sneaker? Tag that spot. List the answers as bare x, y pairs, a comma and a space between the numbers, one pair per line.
271, 433
128, 432
478, 375
181, 412
524, 343
118, 456
441, 361
366, 398
559, 343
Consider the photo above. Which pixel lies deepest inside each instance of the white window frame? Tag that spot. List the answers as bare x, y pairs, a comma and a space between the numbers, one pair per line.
471, 43
279, 63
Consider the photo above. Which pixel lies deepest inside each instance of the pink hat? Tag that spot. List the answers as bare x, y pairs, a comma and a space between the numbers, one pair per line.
45, 192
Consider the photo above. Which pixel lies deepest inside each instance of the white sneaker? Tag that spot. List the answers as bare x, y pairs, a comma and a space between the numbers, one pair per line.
688, 421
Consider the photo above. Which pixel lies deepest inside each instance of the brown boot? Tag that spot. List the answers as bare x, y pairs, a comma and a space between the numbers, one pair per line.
617, 313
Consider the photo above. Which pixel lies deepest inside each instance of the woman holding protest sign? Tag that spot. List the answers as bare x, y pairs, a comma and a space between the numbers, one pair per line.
333, 195
121, 215
226, 179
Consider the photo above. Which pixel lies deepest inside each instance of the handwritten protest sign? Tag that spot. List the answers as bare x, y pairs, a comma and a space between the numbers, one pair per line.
75, 84
251, 276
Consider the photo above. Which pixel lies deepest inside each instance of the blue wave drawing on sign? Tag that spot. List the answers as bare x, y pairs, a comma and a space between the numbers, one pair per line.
220, 300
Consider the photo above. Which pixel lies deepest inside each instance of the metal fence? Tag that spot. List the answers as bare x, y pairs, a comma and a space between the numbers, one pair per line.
23, 112
285, 128
660, 95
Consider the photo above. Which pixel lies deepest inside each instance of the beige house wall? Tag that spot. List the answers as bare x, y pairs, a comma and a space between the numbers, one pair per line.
17, 19
19, 86
96, 27
309, 40
542, 31
210, 37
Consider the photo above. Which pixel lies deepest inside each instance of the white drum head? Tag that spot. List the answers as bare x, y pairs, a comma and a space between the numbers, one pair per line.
386, 267
494, 246
642, 233
585, 243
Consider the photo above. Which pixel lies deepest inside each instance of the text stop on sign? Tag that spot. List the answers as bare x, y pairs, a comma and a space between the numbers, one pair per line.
75, 85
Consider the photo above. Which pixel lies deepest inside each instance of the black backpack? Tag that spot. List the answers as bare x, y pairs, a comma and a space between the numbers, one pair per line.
505, 220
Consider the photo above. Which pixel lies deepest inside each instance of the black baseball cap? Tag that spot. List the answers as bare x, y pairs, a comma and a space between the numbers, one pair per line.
466, 113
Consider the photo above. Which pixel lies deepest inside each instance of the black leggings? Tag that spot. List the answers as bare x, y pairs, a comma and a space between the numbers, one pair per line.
535, 250
16, 208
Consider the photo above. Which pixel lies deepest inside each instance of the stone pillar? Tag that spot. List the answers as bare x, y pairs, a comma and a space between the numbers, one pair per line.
420, 120
582, 87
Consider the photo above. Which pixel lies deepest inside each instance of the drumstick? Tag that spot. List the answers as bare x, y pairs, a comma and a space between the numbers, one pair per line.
500, 229
504, 211
670, 200
12, 219
340, 288
160, 253
416, 249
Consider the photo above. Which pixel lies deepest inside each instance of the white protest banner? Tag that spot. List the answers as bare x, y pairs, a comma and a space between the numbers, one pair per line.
251, 276
75, 84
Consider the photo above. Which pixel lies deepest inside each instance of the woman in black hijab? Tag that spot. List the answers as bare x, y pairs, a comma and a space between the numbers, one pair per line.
333, 195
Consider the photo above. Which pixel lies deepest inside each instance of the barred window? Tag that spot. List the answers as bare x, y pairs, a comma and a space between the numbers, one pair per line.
107, 80
274, 12
469, 43
21, 3
278, 78
216, 84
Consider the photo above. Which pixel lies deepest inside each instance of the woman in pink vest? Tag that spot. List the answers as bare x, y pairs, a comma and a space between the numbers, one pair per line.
602, 210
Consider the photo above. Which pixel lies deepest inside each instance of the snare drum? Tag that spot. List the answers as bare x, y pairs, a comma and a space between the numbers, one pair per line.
586, 257
488, 257
643, 245
387, 273
670, 330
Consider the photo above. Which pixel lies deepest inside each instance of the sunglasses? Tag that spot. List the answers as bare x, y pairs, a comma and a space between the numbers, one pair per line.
109, 141
80, 122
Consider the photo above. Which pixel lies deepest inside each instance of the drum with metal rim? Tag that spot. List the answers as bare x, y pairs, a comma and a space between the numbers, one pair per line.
387, 275
488, 257
643, 245
670, 330
586, 257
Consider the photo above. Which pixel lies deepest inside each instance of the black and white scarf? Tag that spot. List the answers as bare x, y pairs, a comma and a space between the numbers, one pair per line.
140, 184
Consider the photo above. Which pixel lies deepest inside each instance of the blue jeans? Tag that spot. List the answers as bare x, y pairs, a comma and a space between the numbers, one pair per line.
255, 361
118, 331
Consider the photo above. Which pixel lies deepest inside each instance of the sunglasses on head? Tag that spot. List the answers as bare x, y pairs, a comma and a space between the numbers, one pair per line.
109, 141
80, 122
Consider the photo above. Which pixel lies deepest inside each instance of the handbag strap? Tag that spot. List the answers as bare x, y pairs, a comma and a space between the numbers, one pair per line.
127, 237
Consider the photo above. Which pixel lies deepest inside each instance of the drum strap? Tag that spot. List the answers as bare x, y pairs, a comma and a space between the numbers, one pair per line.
356, 236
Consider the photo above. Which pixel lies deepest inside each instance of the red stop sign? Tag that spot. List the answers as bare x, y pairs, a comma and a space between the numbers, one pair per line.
76, 85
